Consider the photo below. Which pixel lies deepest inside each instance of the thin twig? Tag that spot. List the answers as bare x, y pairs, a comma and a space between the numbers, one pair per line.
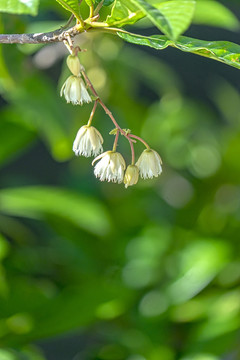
139, 139
132, 151
105, 108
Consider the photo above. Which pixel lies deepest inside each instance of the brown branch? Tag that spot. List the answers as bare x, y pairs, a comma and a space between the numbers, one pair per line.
39, 38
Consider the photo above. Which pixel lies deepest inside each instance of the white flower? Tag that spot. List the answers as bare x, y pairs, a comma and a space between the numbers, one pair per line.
73, 64
74, 91
88, 141
131, 175
149, 164
110, 167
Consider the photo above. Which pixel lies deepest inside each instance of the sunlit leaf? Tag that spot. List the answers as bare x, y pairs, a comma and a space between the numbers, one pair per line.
34, 202
171, 17
123, 13
224, 51
71, 5
19, 6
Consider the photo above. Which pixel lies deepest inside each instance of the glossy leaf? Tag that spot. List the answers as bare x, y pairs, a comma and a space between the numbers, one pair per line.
71, 5
123, 13
19, 7
171, 17
35, 202
224, 51
223, 17
89, 2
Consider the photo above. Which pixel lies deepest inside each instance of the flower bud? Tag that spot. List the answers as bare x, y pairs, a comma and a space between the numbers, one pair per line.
73, 64
131, 175
149, 164
88, 141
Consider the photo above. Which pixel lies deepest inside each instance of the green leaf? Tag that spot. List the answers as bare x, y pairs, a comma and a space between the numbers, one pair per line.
223, 17
72, 6
179, 14
105, 2
19, 7
123, 13
171, 17
37, 202
224, 51
89, 2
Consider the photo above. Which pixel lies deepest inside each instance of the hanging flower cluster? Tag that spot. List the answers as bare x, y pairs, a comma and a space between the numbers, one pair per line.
109, 165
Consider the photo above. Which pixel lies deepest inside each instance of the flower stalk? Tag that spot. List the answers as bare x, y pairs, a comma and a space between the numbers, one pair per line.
115, 141
110, 164
92, 113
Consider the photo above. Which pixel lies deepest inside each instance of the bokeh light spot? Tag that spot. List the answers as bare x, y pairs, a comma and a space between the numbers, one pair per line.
153, 304
20, 323
201, 357
6, 355
177, 191
205, 160
98, 76
108, 49
110, 310
189, 311
138, 273
227, 198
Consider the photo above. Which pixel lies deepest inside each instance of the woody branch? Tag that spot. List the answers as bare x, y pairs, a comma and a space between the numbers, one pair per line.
39, 38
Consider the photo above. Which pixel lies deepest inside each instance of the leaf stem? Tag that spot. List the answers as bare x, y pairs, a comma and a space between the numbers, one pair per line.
91, 14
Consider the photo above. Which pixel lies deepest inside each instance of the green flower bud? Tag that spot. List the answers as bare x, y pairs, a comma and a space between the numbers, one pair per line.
131, 175
73, 64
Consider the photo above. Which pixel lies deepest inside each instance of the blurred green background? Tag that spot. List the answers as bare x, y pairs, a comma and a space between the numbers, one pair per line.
89, 270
